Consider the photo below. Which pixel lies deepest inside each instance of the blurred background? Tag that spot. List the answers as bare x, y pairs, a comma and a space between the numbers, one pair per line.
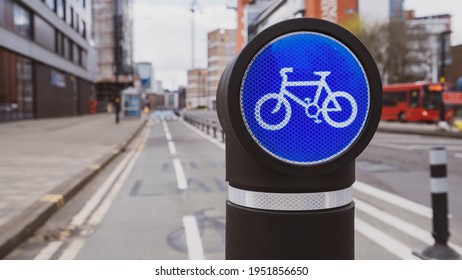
108, 102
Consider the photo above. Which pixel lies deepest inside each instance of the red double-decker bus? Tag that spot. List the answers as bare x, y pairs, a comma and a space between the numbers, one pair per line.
412, 102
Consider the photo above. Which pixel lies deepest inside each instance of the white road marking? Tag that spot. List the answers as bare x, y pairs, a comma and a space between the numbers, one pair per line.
389, 243
193, 238
168, 136
458, 155
91, 205
402, 225
395, 247
79, 219
105, 205
171, 147
97, 216
164, 125
394, 199
180, 176
73, 249
48, 252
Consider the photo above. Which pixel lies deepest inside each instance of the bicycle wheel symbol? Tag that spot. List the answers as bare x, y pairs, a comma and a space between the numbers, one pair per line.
333, 98
212, 232
280, 101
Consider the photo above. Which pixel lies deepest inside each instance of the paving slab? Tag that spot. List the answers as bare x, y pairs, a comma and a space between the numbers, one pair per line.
43, 163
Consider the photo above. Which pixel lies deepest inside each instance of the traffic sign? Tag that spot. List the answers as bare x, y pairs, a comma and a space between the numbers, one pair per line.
306, 97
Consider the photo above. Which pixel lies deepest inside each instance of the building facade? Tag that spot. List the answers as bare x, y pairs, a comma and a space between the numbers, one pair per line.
113, 34
453, 71
256, 15
47, 58
436, 56
221, 45
196, 93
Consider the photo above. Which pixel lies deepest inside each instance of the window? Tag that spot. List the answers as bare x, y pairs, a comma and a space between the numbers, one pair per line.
66, 49
432, 98
21, 18
71, 18
15, 18
76, 22
61, 8
71, 50
392, 98
83, 29
414, 97
77, 54
44, 34
69, 14
59, 43
84, 59
16, 87
51, 4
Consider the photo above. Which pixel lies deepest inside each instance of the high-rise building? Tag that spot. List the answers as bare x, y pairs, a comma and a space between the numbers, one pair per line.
47, 58
436, 31
256, 15
113, 35
221, 44
196, 89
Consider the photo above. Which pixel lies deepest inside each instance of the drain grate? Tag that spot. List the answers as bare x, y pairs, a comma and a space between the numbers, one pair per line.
61, 233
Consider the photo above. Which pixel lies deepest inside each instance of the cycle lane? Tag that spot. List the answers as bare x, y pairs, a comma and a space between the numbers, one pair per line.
151, 217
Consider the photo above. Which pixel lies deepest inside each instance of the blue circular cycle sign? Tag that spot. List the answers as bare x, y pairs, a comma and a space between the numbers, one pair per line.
305, 98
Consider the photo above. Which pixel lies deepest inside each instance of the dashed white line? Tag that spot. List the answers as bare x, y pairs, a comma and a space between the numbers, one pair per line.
193, 238
180, 176
171, 147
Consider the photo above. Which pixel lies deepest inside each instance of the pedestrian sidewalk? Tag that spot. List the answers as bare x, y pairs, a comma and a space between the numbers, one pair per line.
43, 163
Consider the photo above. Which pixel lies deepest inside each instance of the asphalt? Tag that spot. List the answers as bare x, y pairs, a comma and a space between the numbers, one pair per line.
44, 163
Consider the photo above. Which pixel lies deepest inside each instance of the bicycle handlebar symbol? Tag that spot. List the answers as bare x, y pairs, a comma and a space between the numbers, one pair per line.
312, 108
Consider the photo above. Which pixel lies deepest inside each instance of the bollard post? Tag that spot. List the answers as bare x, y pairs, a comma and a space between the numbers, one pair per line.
290, 152
439, 189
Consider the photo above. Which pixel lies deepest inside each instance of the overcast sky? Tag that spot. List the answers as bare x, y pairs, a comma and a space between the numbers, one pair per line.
162, 31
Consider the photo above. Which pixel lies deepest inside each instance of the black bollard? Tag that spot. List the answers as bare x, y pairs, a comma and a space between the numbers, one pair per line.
439, 189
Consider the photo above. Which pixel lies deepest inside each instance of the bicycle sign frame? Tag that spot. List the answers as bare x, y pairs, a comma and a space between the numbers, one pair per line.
303, 97
284, 94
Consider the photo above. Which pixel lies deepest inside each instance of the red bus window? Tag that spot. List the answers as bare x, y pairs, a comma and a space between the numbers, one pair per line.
414, 99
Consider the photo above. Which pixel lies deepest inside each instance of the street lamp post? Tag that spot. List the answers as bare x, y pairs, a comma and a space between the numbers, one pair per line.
442, 77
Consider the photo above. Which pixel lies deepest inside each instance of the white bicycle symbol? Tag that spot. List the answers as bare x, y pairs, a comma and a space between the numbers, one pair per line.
312, 108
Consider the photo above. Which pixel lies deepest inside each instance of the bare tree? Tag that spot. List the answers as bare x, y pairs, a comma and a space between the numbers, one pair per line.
400, 51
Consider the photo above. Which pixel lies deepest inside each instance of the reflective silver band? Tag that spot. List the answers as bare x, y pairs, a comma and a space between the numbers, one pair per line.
290, 201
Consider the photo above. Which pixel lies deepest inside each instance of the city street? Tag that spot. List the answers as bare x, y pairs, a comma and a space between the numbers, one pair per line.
164, 198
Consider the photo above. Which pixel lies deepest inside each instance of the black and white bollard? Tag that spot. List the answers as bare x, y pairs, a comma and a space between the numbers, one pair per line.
439, 189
